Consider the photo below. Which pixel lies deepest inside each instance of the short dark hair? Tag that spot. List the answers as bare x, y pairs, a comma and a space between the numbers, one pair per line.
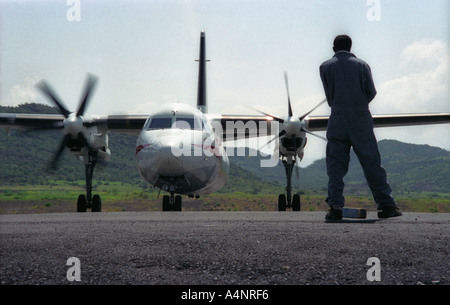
342, 43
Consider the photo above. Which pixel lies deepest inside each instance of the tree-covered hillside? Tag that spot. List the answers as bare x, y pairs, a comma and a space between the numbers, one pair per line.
24, 156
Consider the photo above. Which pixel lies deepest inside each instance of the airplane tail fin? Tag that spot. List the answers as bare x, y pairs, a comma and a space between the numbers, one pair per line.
201, 90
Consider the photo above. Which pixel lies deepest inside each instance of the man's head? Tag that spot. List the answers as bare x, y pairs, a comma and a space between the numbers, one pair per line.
342, 43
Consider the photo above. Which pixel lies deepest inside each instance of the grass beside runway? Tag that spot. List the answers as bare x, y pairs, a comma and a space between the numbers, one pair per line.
60, 196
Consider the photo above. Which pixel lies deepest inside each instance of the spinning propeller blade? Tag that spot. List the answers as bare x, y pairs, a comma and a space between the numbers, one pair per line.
50, 94
90, 86
74, 138
317, 106
313, 134
54, 162
266, 114
288, 96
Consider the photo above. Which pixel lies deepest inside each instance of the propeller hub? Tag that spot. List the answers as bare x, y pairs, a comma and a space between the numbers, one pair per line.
293, 126
73, 125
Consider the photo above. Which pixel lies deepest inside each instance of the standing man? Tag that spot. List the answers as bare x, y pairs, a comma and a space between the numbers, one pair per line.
349, 89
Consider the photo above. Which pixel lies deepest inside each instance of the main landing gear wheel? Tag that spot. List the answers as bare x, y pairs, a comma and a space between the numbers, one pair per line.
88, 201
296, 202
282, 204
96, 204
83, 205
289, 201
172, 203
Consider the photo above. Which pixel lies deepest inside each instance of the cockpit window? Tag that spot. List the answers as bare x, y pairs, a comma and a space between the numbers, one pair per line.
160, 123
192, 123
188, 123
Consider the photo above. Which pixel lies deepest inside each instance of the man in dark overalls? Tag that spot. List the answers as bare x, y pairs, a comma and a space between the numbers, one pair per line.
349, 89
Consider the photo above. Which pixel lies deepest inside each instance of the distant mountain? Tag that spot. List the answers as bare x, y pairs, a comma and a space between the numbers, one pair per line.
24, 156
410, 168
29, 108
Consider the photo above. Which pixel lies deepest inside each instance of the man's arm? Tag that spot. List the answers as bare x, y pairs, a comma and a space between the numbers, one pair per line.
325, 83
369, 86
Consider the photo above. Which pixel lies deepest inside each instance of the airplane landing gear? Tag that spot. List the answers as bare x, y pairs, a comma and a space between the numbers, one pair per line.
88, 201
289, 201
172, 203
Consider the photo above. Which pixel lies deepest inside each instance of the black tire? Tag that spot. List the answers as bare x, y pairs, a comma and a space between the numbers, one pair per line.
281, 203
82, 204
296, 203
177, 206
166, 203
96, 204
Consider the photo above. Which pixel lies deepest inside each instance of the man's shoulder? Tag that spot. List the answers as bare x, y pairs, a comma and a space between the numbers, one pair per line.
358, 60
328, 62
344, 58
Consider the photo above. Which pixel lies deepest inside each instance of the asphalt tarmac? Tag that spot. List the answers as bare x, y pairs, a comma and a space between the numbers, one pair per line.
223, 248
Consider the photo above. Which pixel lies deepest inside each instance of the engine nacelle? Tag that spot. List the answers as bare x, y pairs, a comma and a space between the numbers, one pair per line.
97, 142
104, 155
291, 145
101, 143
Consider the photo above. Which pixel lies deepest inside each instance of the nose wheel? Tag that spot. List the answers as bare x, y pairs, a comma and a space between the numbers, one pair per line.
88, 201
283, 203
288, 201
171, 203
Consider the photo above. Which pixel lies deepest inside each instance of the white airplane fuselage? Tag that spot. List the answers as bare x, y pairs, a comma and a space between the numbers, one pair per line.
177, 151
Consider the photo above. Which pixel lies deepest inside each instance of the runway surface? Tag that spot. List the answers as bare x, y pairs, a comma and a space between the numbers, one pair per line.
223, 248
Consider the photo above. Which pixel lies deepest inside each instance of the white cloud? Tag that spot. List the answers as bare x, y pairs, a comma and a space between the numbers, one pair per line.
424, 53
425, 86
22, 93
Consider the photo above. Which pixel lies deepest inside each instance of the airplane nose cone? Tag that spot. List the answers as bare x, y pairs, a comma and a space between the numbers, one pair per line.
170, 153
170, 162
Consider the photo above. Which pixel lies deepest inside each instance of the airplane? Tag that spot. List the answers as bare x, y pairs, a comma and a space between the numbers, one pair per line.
180, 148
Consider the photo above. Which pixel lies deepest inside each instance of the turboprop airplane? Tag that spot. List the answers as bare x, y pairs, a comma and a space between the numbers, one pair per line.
180, 148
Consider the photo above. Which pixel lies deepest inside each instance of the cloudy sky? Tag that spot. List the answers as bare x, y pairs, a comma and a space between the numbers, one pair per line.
144, 54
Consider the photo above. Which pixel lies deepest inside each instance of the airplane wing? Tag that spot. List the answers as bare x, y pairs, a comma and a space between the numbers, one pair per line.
129, 124
132, 124
319, 123
237, 127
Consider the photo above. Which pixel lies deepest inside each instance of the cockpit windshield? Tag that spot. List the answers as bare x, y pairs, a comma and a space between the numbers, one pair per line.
188, 123
192, 123
160, 123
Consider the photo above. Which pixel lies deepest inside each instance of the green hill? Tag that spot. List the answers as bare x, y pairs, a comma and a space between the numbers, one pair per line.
410, 168
24, 156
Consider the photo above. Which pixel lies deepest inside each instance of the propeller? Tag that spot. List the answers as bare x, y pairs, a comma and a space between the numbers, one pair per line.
288, 96
266, 114
317, 106
73, 122
287, 122
89, 87
54, 162
48, 91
